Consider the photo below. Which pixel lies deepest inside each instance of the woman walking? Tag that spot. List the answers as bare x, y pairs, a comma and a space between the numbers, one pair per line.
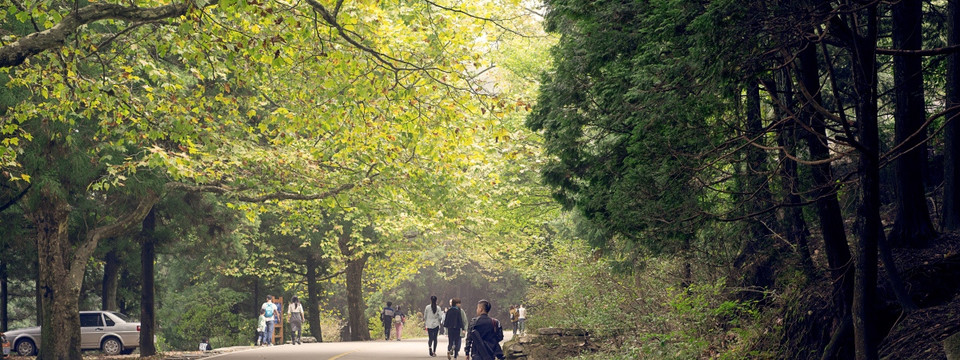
432, 318
295, 316
398, 319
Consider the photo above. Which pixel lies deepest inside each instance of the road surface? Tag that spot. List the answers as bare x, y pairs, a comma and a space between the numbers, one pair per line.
367, 350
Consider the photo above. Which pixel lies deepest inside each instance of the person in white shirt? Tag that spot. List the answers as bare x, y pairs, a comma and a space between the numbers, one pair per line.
295, 317
270, 312
432, 318
522, 311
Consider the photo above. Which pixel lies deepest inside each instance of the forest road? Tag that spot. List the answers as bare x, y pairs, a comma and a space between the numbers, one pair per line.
366, 350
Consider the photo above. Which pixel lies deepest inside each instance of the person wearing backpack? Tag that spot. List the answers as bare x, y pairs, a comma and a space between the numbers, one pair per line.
269, 312
399, 318
432, 318
386, 317
455, 321
484, 335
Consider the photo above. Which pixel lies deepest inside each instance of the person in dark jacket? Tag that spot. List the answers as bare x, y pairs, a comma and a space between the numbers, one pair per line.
386, 316
484, 335
455, 321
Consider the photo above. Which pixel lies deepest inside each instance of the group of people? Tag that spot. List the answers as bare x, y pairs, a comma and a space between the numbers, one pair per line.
483, 333
518, 318
270, 316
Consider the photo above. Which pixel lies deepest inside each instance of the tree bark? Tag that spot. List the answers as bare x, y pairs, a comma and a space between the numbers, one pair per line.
781, 90
827, 205
148, 255
111, 274
912, 227
4, 297
313, 299
951, 158
17, 52
359, 330
865, 261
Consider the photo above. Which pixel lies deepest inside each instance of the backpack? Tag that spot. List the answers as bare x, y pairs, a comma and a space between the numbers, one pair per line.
397, 319
388, 313
453, 320
268, 312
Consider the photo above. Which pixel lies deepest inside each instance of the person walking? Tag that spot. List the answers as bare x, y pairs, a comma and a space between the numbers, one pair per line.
399, 318
270, 312
432, 318
261, 328
455, 321
386, 317
514, 318
484, 335
443, 315
522, 319
295, 317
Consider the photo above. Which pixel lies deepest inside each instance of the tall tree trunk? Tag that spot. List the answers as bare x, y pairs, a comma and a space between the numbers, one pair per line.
313, 299
781, 90
111, 275
827, 205
951, 158
753, 265
865, 261
60, 324
38, 296
4, 297
912, 227
359, 330
148, 255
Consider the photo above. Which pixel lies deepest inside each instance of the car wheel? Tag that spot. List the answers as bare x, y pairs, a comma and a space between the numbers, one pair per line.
111, 346
26, 347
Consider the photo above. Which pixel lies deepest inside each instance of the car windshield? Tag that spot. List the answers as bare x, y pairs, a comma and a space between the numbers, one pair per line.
122, 316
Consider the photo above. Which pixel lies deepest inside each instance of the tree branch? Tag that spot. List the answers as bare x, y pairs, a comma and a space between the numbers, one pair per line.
947, 50
17, 52
280, 195
118, 227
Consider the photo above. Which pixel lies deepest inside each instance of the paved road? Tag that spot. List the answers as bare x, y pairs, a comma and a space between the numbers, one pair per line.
378, 349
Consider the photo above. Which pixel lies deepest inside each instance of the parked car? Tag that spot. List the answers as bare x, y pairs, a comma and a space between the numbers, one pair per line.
5, 344
111, 332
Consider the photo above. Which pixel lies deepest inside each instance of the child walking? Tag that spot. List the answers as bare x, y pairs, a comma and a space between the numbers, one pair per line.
261, 328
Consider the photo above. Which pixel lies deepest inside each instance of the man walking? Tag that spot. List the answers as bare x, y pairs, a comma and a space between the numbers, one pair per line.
455, 321
386, 316
514, 318
269, 312
484, 335
522, 314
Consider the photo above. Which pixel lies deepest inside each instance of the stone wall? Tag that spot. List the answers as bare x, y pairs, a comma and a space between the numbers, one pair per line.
549, 344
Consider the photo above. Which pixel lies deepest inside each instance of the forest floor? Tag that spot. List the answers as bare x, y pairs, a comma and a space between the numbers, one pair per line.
932, 276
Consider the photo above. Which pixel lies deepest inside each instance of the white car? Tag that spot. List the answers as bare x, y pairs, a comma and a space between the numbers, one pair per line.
111, 332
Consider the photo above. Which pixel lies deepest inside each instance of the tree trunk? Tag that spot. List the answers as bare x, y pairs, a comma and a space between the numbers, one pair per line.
313, 299
750, 261
4, 297
912, 227
796, 229
359, 330
111, 274
60, 332
827, 205
951, 158
38, 297
865, 261
148, 256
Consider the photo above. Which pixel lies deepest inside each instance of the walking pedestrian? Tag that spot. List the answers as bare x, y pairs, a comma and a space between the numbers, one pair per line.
455, 321
386, 317
443, 315
484, 335
399, 318
514, 318
522, 319
432, 318
295, 317
270, 312
261, 328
